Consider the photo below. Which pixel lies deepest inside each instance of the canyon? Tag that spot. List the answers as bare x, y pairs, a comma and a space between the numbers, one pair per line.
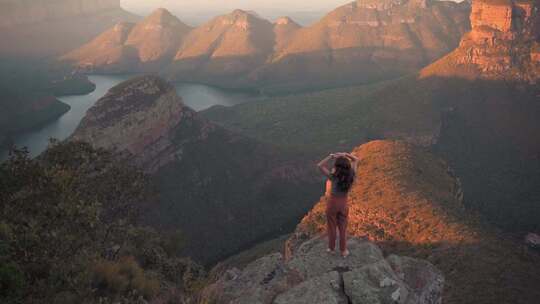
256, 191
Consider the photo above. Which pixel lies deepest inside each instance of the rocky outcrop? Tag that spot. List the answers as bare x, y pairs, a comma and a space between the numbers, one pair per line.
314, 276
501, 46
409, 203
140, 117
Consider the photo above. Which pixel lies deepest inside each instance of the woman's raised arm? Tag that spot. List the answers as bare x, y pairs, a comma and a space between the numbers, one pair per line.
323, 165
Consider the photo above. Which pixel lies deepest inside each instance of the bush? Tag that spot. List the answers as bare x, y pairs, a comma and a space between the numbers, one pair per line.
122, 278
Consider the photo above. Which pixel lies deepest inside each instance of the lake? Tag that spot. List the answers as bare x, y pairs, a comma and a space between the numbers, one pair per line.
196, 96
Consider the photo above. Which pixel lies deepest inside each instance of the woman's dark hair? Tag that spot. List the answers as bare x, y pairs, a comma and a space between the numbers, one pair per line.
343, 174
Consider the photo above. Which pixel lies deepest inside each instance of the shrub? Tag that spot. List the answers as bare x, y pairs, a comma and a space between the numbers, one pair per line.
123, 277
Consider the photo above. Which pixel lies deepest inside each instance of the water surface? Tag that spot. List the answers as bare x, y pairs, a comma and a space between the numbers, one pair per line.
196, 96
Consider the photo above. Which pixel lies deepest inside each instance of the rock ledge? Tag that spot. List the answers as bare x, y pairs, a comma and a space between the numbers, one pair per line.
312, 275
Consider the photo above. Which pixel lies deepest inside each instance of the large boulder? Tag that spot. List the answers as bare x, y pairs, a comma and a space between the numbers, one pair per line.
312, 275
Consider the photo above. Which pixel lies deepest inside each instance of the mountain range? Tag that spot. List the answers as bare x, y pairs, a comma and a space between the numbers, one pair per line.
360, 42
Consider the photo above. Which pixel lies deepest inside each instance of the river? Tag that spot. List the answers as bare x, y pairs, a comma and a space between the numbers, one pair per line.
196, 96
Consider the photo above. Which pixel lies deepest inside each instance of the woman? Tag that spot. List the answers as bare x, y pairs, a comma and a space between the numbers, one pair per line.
340, 180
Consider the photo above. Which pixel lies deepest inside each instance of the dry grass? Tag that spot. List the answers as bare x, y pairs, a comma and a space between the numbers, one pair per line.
408, 201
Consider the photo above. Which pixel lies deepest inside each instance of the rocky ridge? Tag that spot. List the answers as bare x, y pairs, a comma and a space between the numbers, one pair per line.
140, 117
409, 202
314, 276
185, 155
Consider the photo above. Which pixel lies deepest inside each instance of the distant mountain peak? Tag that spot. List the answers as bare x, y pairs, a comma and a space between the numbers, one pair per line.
285, 21
162, 15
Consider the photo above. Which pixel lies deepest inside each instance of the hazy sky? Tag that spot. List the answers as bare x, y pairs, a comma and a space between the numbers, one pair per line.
201, 5
198, 11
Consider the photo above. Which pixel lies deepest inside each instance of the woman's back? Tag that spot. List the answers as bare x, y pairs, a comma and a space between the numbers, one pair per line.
333, 189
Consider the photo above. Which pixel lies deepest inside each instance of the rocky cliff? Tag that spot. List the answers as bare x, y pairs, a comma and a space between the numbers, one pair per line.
503, 44
409, 202
312, 275
380, 38
222, 190
140, 117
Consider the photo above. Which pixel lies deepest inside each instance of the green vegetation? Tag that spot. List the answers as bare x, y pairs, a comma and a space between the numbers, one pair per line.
482, 128
337, 119
69, 231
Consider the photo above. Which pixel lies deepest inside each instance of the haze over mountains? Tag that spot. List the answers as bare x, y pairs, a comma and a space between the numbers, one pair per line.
359, 42
30, 28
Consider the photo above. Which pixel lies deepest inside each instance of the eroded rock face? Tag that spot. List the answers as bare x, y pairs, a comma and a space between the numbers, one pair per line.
502, 44
314, 276
380, 38
140, 117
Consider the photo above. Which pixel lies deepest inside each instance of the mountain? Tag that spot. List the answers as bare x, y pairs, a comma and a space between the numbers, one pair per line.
284, 30
108, 49
41, 29
368, 40
132, 47
503, 44
224, 49
223, 191
409, 202
158, 36
363, 41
